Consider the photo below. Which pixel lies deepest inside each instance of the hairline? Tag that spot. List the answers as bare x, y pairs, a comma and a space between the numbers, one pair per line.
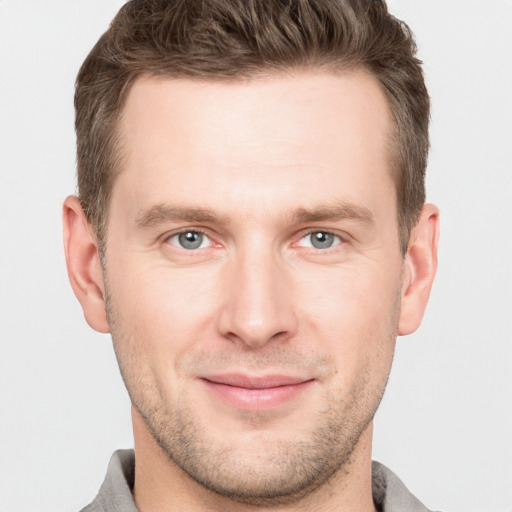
116, 155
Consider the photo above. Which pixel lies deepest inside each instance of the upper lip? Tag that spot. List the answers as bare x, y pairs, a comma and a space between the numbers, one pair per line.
255, 382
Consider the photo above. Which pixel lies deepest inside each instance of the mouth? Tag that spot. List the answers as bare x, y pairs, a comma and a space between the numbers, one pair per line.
256, 393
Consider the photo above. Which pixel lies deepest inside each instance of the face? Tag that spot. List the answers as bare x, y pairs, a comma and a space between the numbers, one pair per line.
254, 275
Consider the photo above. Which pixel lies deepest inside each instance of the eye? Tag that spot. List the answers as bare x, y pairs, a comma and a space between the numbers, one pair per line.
320, 240
190, 240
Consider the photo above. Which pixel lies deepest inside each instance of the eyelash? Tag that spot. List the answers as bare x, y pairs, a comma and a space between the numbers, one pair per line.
340, 238
170, 236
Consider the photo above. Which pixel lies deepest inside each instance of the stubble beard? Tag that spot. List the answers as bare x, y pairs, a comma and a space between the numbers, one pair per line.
286, 472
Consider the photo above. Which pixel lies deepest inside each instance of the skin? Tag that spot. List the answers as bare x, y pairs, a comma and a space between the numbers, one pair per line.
256, 167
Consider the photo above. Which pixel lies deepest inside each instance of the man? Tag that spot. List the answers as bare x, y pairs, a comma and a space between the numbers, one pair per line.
251, 230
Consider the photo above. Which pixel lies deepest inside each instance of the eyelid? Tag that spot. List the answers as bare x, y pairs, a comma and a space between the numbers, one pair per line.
341, 236
168, 236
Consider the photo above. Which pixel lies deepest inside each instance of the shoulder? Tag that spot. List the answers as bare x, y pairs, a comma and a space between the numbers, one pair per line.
115, 493
390, 494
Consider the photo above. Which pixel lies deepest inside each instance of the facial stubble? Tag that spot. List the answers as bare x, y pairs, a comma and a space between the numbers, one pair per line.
284, 470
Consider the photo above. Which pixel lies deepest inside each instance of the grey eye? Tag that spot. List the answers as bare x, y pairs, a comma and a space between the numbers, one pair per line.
189, 240
322, 240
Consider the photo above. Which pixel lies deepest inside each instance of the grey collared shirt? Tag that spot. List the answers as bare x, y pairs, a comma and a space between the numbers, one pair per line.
115, 495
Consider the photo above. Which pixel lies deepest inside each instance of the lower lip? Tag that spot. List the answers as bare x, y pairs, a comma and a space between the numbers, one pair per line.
257, 399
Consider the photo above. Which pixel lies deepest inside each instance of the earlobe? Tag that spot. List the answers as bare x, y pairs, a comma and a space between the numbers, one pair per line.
420, 268
83, 264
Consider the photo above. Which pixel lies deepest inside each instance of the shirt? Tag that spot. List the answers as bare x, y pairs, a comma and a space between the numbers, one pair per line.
115, 495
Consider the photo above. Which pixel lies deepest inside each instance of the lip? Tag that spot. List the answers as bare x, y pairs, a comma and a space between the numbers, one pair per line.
256, 393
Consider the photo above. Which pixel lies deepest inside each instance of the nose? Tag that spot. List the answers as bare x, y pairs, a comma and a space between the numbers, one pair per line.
257, 302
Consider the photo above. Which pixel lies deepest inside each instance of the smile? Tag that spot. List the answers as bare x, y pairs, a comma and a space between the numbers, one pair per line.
256, 393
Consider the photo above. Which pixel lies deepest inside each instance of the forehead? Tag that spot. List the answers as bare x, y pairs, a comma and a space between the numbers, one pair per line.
299, 132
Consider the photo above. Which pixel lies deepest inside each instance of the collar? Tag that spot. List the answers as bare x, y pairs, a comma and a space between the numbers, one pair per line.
115, 495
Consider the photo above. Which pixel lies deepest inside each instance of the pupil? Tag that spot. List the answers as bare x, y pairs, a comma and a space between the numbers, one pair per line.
322, 240
191, 240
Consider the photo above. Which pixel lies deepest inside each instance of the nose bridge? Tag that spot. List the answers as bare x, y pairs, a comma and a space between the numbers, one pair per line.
257, 306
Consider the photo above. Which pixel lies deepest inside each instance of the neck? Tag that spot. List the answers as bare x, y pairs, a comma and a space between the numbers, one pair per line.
162, 486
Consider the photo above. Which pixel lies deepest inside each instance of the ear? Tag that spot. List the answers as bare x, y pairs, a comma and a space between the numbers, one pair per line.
420, 267
83, 263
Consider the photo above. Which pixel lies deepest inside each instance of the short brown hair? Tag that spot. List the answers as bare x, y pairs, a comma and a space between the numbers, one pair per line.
235, 39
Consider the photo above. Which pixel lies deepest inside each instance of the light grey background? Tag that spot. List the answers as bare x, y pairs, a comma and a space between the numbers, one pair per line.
445, 425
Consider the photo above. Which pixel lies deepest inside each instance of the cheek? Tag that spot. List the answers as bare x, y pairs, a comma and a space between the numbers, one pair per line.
353, 315
349, 295
156, 318
163, 310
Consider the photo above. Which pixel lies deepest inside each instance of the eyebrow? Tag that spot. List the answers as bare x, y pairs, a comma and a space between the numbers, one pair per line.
338, 211
162, 213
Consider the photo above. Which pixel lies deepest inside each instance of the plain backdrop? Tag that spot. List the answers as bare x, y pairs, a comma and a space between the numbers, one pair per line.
445, 425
